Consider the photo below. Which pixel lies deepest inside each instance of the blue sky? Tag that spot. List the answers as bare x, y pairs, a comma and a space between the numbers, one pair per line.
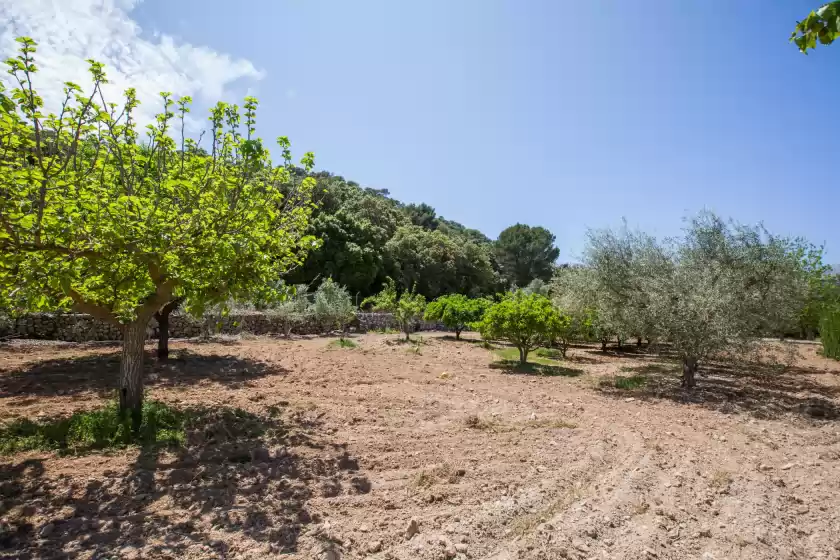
556, 113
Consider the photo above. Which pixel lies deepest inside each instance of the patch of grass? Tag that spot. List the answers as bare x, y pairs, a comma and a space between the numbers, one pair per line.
550, 353
101, 428
648, 369
538, 356
632, 382
550, 423
342, 343
531, 368
386, 330
622, 382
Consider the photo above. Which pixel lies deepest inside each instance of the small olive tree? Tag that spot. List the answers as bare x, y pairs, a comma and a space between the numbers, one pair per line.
456, 311
333, 306
293, 309
524, 320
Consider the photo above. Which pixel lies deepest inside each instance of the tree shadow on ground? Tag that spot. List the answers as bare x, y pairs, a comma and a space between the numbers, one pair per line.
513, 367
247, 477
100, 372
763, 391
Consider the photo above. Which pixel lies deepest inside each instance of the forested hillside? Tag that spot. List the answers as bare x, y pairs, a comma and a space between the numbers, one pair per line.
366, 237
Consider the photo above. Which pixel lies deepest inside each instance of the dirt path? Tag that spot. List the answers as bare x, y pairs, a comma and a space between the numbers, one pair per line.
395, 452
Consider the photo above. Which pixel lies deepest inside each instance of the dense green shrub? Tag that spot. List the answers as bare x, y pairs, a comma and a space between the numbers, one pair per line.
406, 307
526, 321
456, 311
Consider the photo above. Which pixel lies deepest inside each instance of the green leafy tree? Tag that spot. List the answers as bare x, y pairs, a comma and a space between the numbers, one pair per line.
456, 311
422, 215
525, 253
720, 288
434, 264
526, 321
354, 225
97, 219
406, 308
333, 305
821, 25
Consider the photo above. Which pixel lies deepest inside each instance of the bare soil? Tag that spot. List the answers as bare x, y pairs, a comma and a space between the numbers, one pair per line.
430, 451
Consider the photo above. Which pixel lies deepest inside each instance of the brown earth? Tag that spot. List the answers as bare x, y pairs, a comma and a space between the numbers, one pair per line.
430, 451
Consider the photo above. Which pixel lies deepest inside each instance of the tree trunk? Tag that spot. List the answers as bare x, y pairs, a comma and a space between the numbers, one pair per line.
162, 318
457, 334
638, 342
618, 339
131, 371
407, 329
689, 372
603, 345
523, 355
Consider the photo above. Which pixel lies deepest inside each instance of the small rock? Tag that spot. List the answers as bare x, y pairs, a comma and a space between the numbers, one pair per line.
764, 467
591, 533
629, 399
364, 528
47, 530
650, 553
413, 528
802, 510
533, 416
705, 532
580, 545
788, 466
374, 547
461, 548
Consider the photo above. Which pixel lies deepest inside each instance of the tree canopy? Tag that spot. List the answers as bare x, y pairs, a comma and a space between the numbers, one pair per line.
525, 253
525, 320
456, 311
104, 220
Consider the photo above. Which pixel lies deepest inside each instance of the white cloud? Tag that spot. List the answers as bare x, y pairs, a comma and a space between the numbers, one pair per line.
69, 32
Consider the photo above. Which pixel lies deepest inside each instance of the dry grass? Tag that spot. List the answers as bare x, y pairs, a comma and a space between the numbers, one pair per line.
443, 473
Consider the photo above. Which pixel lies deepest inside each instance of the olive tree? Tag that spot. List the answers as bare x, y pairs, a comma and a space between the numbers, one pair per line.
720, 288
97, 217
456, 311
333, 305
292, 307
620, 261
524, 320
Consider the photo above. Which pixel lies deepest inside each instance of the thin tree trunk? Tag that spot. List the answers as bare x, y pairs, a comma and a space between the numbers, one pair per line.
638, 342
619, 342
603, 345
689, 372
523, 355
457, 334
162, 318
131, 371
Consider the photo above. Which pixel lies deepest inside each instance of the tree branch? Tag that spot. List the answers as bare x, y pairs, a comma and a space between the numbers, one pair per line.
94, 310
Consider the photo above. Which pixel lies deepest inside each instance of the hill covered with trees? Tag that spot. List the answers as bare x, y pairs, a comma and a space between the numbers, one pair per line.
366, 236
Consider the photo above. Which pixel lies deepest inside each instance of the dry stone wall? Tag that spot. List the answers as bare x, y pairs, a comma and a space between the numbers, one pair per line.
77, 327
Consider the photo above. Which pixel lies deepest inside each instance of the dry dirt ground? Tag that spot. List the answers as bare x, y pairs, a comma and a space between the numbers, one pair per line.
431, 451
